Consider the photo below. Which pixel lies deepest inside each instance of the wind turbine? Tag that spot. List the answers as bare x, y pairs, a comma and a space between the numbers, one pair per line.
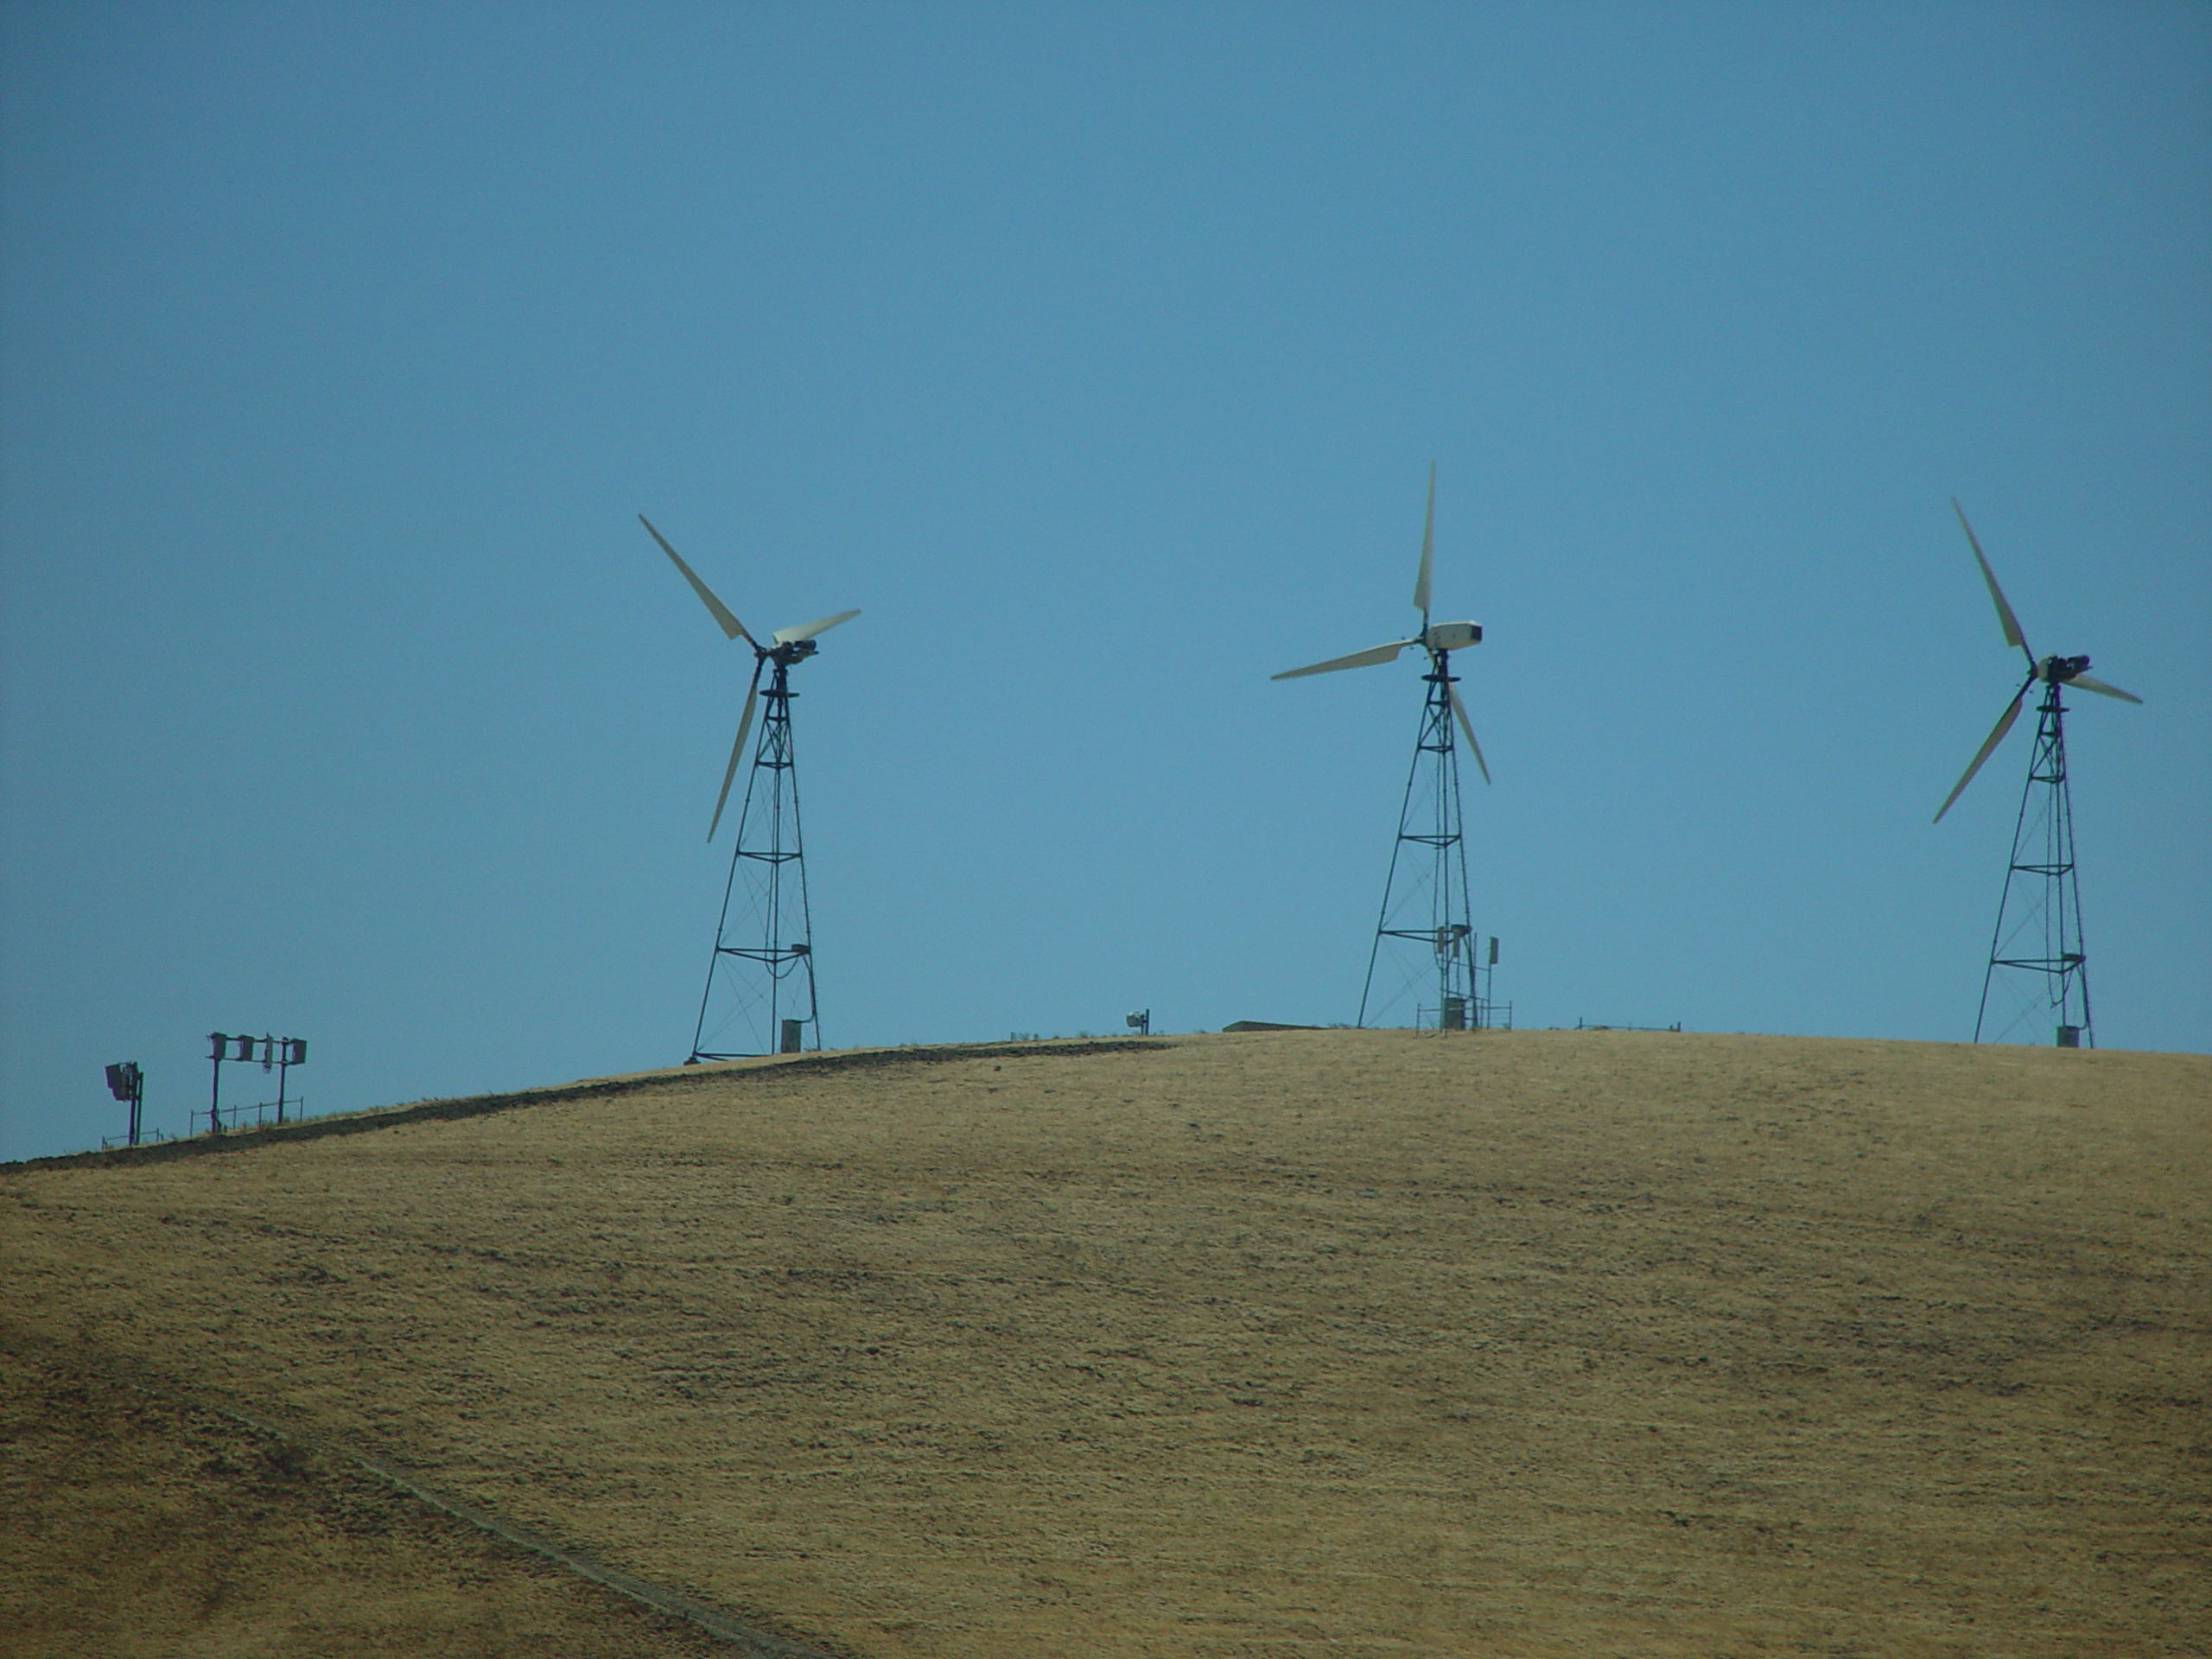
2048, 912
765, 960
1424, 920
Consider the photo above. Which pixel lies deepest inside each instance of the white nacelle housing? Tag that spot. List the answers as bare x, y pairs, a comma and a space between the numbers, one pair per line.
1453, 636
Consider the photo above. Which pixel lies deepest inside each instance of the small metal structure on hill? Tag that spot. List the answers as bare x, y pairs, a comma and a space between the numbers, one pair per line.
279, 1054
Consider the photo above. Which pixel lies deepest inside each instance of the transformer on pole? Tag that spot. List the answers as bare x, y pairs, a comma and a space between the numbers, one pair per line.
280, 1054
128, 1083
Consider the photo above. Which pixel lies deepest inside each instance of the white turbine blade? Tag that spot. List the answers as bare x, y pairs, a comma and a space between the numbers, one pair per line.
1357, 659
808, 630
2011, 623
736, 749
2004, 725
1460, 710
1428, 544
2101, 688
732, 628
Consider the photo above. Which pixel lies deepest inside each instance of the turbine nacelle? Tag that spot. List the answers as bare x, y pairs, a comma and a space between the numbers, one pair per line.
1451, 636
2060, 670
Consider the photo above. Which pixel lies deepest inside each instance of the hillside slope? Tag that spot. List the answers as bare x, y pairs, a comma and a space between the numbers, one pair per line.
1361, 1344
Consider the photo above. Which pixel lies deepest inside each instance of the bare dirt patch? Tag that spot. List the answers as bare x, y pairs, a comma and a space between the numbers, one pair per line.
1301, 1342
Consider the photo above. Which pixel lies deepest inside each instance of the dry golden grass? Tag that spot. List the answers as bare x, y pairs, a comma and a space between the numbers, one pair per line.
136, 1524
1356, 1343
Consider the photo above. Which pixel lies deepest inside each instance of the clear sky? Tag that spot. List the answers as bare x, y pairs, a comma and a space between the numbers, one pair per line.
1099, 353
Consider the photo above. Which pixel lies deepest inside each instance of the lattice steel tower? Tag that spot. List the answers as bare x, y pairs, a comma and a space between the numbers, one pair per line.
1424, 937
2037, 963
760, 978
760, 994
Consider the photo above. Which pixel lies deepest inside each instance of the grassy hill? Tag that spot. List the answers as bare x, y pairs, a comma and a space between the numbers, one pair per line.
1346, 1342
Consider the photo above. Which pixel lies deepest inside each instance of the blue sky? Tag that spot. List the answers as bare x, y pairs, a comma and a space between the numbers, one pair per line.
1099, 354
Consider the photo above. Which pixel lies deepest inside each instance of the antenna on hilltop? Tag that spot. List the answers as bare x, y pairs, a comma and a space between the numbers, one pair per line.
760, 988
2040, 909
1424, 932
